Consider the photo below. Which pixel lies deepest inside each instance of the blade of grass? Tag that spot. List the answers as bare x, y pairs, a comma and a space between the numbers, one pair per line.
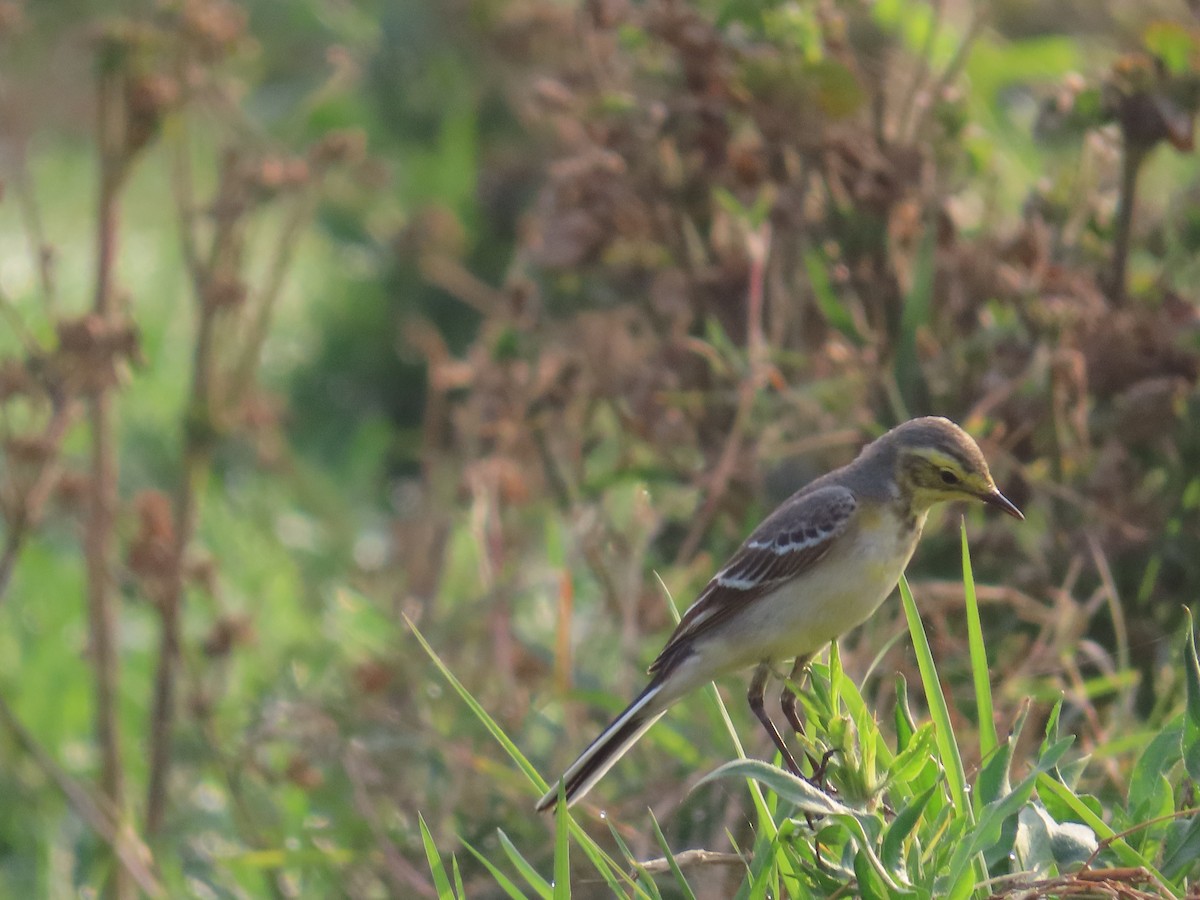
481, 714
938, 710
506, 883
979, 664
643, 876
528, 872
670, 857
441, 882
459, 888
947, 744
562, 848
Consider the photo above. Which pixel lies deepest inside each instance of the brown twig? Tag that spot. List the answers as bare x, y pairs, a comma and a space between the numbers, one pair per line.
691, 858
162, 716
102, 601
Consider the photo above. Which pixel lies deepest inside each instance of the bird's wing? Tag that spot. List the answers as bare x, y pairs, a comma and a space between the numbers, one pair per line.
788, 543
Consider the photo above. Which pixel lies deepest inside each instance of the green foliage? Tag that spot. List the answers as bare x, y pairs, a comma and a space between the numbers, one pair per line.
913, 833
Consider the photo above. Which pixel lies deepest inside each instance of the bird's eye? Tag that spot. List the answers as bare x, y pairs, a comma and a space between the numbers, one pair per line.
948, 477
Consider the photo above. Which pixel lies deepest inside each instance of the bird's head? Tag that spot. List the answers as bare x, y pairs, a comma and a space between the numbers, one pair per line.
937, 461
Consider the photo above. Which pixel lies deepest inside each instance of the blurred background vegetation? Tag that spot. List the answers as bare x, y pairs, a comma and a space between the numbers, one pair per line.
322, 313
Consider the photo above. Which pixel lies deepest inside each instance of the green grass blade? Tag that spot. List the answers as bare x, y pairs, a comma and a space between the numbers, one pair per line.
459, 888
938, 710
979, 663
506, 883
670, 857
562, 848
441, 882
947, 744
645, 881
528, 872
481, 714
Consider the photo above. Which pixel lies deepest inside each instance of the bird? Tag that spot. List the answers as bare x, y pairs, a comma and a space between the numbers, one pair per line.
815, 568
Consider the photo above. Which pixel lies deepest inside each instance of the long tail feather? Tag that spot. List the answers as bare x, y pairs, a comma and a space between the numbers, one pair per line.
605, 750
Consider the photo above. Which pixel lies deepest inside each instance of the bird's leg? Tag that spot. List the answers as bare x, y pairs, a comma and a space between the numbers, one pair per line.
787, 699
758, 686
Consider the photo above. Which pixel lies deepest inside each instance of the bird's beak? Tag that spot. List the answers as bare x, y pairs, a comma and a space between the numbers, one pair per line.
998, 500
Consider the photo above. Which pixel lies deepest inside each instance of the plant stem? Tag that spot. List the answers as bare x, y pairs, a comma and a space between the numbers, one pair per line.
196, 460
102, 601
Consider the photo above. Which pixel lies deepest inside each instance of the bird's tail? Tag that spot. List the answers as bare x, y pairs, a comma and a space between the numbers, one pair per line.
606, 749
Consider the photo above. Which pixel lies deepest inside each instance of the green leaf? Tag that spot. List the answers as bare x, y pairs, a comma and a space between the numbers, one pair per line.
995, 777
441, 883
870, 885
1063, 812
480, 713
1035, 853
911, 762
1181, 850
1159, 804
1049, 786
991, 819
905, 724
1172, 43
892, 849
786, 785
1160, 755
